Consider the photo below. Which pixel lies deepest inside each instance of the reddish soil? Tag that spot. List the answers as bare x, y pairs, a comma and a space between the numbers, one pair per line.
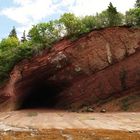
70, 134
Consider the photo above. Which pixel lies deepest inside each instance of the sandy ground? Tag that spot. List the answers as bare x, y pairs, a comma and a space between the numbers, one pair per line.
45, 119
59, 125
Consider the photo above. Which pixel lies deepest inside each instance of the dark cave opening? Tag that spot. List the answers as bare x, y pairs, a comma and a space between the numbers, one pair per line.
43, 95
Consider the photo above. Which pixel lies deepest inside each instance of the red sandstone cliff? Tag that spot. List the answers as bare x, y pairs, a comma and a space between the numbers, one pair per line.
101, 66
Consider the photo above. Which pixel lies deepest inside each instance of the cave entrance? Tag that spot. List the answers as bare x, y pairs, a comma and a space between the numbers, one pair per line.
43, 95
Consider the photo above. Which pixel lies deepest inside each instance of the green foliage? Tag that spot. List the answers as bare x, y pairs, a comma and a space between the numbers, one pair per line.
113, 16
24, 50
23, 38
71, 23
130, 17
112, 13
11, 52
9, 43
102, 20
13, 33
137, 4
109, 17
44, 34
133, 17
137, 14
89, 23
7, 59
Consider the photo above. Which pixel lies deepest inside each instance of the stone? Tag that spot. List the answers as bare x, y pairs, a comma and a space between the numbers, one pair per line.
103, 111
90, 109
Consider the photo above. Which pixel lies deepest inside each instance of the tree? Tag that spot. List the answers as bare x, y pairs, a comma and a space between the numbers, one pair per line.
109, 17
137, 13
8, 56
137, 4
13, 33
133, 17
102, 20
130, 18
72, 24
88, 22
44, 34
113, 16
9, 43
23, 38
11, 52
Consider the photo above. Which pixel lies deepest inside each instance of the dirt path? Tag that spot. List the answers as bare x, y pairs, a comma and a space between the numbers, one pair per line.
39, 124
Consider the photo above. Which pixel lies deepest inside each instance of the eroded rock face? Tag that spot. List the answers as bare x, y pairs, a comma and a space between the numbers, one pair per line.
101, 64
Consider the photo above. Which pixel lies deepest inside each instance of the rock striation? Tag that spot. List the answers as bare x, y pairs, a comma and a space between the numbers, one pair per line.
97, 66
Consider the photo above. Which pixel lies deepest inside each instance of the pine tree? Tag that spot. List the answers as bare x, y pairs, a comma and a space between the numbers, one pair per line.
13, 33
23, 38
112, 15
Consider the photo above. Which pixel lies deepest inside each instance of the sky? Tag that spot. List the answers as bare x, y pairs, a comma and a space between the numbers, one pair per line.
24, 13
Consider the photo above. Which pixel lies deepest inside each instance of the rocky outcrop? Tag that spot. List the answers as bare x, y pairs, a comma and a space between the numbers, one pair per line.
99, 65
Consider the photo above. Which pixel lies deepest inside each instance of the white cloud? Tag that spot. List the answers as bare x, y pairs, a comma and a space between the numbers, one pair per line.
90, 7
29, 12
23, 2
